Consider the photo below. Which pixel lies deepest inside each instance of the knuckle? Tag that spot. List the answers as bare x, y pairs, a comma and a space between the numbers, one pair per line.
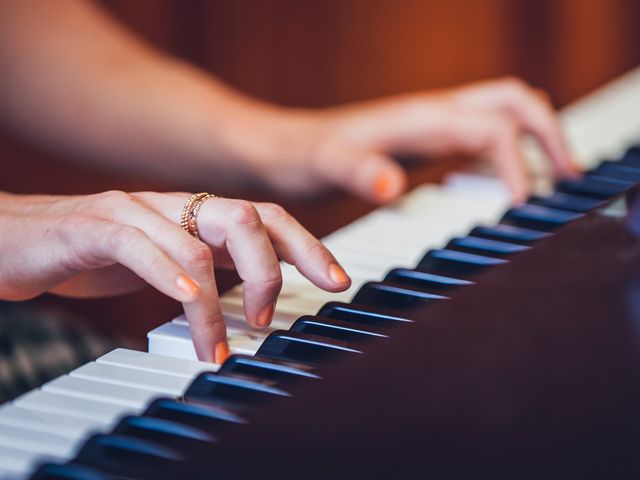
273, 211
104, 204
198, 258
122, 237
273, 280
241, 212
515, 89
115, 197
514, 84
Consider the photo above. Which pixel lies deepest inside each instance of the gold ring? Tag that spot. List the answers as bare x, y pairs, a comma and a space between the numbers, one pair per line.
188, 219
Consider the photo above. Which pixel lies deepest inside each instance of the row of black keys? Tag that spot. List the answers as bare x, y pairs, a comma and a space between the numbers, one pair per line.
171, 432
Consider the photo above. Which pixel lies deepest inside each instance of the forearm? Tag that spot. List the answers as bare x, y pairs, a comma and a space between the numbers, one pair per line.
76, 80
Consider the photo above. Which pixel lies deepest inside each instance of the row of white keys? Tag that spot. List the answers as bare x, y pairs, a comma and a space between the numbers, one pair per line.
56, 419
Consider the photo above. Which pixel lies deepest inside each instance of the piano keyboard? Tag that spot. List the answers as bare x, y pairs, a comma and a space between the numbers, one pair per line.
59, 421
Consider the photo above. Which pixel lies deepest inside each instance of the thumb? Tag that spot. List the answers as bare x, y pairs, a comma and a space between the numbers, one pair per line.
371, 175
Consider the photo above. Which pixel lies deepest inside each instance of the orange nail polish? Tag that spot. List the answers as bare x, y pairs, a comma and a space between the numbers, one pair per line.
264, 317
187, 285
382, 187
221, 352
337, 274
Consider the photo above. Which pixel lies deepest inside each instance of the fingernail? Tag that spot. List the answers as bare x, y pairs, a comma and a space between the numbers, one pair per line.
382, 187
188, 285
337, 274
221, 352
264, 317
575, 167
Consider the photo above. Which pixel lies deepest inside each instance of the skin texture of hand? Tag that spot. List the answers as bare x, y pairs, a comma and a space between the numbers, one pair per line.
352, 146
116, 242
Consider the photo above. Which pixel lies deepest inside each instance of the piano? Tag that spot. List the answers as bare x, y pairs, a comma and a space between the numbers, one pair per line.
476, 339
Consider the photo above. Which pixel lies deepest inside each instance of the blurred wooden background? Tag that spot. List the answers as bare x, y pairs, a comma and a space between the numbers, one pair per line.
321, 52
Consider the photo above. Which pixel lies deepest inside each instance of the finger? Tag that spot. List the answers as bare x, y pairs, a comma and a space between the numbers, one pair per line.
206, 322
207, 327
533, 112
296, 246
508, 159
369, 174
132, 248
236, 225
480, 132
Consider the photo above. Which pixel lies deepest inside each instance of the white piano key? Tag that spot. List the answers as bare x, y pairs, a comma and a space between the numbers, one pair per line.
173, 339
40, 400
13, 474
469, 186
373, 264
155, 363
139, 380
89, 389
237, 330
65, 425
16, 463
286, 307
47, 443
282, 318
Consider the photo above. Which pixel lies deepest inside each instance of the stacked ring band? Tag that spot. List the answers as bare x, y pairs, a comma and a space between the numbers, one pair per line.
188, 219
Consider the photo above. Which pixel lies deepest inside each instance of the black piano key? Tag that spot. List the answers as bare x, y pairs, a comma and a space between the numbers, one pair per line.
337, 329
234, 393
484, 246
565, 201
187, 439
258, 368
363, 314
69, 471
394, 297
594, 186
617, 170
303, 347
423, 280
631, 157
208, 418
535, 216
456, 263
130, 457
510, 233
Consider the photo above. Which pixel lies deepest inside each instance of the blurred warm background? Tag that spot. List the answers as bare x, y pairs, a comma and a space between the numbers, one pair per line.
321, 52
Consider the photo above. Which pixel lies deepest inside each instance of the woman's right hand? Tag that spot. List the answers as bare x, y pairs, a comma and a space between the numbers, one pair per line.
115, 242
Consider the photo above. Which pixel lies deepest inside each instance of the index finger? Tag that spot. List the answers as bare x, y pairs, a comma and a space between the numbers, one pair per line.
533, 112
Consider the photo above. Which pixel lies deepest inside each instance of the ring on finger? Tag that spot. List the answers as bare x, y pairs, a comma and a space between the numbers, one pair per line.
189, 216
